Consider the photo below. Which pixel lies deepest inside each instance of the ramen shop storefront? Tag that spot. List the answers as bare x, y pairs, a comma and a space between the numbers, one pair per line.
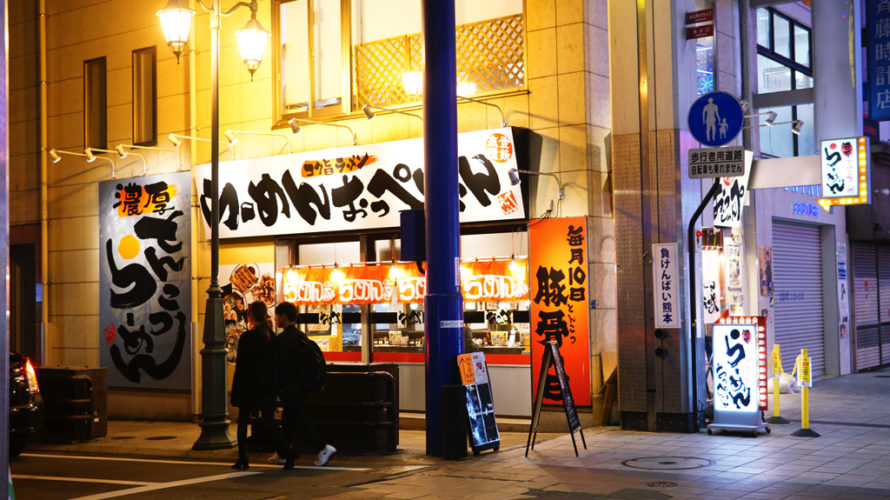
330, 218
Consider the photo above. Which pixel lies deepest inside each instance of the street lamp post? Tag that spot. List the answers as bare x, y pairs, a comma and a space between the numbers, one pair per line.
176, 21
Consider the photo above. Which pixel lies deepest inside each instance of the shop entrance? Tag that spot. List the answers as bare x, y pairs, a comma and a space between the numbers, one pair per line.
799, 303
355, 318
871, 301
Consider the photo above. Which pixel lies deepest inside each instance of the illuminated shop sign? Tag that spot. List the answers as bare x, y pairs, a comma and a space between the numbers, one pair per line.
739, 369
357, 187
559, 306
845, 172
145, 281
481, 281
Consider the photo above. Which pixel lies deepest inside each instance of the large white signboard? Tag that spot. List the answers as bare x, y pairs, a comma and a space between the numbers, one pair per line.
840, 168
357, 187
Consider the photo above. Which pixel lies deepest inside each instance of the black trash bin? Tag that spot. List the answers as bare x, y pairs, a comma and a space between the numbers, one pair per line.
76, 402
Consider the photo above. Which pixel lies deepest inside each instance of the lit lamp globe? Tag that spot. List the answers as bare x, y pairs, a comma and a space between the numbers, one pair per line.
176, 22
252, 43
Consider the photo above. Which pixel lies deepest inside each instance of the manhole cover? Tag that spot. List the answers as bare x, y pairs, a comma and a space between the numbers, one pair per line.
882, 376
662, 484
667, 463
121, 437
160, 438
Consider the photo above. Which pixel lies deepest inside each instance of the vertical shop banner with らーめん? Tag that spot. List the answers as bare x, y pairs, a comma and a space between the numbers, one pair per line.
145, 281
559, 304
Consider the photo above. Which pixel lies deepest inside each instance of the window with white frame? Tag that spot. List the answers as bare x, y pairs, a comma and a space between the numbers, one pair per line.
335, 56
784, 63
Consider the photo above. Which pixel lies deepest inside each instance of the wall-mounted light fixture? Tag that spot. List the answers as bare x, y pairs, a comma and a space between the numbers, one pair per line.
122, 153
796, 125
513, 173
123, 150
368, 110
55, 157
495, 106
296, 128
770, 119
176, 140
232, 139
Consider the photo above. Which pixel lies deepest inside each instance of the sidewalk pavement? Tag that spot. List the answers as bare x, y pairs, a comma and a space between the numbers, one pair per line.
851, 459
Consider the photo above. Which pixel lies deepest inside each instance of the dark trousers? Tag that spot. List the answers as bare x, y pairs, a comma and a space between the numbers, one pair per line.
267, 416
294, 417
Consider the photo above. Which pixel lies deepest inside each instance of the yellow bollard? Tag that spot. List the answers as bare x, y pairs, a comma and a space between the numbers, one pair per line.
805, 378
776, 361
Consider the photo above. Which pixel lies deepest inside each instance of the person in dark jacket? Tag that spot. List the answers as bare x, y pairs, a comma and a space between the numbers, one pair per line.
294, 414
256, 382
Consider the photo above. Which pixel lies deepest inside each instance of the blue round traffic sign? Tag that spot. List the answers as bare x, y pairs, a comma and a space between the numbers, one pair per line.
715, 118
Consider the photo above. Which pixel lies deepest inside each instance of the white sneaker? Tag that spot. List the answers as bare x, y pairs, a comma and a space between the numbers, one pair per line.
325, 454
275, 459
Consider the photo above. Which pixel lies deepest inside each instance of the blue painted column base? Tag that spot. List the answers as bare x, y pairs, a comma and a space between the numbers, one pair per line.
443, 344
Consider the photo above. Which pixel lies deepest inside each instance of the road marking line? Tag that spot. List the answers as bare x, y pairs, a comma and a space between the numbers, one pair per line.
82, 480
161, 486
189, 462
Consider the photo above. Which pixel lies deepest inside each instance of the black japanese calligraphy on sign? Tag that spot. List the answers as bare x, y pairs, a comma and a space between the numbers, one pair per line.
559, 300
360, 186
145, 281
735, 368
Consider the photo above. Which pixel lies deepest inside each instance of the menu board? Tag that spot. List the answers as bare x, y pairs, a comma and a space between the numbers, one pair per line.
552, 357
480, 406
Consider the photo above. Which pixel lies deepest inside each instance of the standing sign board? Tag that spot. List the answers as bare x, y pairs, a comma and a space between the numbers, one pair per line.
480, 405
560, 303
553, 358
845, 171
715, 119
739, 374
145, 281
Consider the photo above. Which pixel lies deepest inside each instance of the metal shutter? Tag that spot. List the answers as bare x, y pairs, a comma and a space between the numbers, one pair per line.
865, 306
884, 300
797, 277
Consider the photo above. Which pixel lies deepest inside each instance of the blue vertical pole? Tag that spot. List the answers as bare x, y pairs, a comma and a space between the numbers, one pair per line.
443, 304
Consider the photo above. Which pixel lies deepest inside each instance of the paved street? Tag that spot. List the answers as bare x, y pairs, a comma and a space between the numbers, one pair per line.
851, 459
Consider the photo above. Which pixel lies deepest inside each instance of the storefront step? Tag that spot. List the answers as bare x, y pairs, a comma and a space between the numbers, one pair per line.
410, 420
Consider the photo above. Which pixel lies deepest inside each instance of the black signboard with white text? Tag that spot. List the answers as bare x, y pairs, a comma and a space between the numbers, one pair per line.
554, 358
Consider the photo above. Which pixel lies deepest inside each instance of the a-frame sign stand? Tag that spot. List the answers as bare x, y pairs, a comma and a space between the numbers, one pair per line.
552, 357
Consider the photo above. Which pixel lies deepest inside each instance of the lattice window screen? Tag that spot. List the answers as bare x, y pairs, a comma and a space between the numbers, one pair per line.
489, 54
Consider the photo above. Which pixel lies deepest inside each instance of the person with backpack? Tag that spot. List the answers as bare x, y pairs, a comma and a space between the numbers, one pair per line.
255, 383
302, 369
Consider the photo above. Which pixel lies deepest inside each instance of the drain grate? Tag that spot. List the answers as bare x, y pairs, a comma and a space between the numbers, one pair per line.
662, 484
667, 463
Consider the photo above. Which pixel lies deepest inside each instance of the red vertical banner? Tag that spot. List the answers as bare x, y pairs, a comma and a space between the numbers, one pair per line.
559, 304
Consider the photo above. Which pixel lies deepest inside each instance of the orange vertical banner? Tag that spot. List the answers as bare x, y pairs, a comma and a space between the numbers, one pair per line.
559, 303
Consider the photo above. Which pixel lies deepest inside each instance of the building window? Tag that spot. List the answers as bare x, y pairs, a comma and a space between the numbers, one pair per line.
783, 63
94, 104
335, 56
145, 115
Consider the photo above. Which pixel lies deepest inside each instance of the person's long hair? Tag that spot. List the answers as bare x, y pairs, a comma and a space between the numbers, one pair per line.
259, 316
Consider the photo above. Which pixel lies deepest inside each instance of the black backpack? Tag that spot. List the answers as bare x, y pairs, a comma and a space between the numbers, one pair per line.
311, 366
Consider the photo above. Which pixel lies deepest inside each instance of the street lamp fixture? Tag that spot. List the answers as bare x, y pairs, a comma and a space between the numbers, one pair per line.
176, 20
214, 410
